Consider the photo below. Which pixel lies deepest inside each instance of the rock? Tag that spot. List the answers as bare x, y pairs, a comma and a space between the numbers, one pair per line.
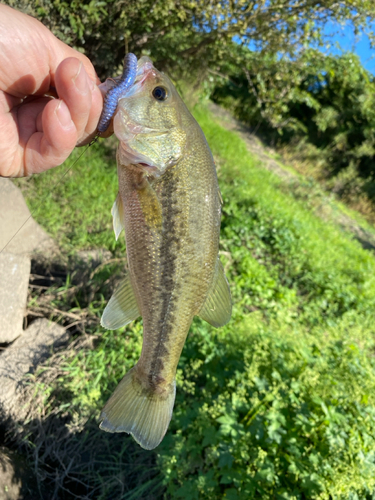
13, 214
17, 480
14, 281
23, 356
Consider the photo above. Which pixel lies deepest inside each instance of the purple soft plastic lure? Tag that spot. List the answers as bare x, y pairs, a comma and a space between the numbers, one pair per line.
122, 85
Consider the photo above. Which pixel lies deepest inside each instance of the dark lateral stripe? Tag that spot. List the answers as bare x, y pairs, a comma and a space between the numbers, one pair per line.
169, 250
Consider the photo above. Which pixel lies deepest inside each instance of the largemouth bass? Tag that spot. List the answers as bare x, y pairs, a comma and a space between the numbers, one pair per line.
170, 206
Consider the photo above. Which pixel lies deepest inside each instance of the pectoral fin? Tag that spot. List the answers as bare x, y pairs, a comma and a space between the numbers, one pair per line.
122, 307
118, 216
217, 308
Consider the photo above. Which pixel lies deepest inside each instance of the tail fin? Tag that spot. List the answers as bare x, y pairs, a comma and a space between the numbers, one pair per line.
142, 414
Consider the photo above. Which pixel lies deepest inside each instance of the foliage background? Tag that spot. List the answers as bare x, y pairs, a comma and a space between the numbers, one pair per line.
280, 403
277, 404
192, 35
317, 110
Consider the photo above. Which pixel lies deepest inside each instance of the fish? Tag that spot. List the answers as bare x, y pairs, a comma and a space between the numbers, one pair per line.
169, 205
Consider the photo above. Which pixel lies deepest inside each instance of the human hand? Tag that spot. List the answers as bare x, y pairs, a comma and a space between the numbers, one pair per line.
38, 132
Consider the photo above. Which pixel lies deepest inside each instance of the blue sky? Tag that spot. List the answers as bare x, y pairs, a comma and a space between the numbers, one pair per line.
346, 41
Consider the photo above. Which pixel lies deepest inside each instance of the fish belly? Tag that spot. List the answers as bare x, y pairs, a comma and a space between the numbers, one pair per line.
171, 257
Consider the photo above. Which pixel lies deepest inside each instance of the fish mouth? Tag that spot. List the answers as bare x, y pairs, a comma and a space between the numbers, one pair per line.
128, 130
145, 69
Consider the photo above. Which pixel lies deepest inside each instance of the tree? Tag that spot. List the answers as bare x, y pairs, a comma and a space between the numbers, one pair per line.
192, 35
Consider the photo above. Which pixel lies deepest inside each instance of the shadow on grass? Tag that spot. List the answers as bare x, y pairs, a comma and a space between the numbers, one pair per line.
56, 452
60, 462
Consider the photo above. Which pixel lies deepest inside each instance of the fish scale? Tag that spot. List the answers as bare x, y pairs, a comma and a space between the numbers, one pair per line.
169, 205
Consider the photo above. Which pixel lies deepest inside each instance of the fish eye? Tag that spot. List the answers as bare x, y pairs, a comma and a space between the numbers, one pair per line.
160, 93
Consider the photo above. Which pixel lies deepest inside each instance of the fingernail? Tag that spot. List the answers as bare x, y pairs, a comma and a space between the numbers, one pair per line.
92, 84
80, 80
63, 115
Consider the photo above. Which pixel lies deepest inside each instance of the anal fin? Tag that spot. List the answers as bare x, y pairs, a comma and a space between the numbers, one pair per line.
122, 307
217, 308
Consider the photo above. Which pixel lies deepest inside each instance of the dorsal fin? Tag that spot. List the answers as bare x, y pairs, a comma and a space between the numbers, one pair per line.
122, 307
217, 308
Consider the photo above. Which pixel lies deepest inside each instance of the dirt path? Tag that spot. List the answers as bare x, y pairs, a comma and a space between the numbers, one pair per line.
323, 204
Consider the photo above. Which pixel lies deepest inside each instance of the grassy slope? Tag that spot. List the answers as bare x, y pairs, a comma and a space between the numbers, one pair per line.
277, 404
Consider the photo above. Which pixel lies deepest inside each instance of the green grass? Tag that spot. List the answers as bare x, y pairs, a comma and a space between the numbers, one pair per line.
312, 192
75, 208
279, 404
